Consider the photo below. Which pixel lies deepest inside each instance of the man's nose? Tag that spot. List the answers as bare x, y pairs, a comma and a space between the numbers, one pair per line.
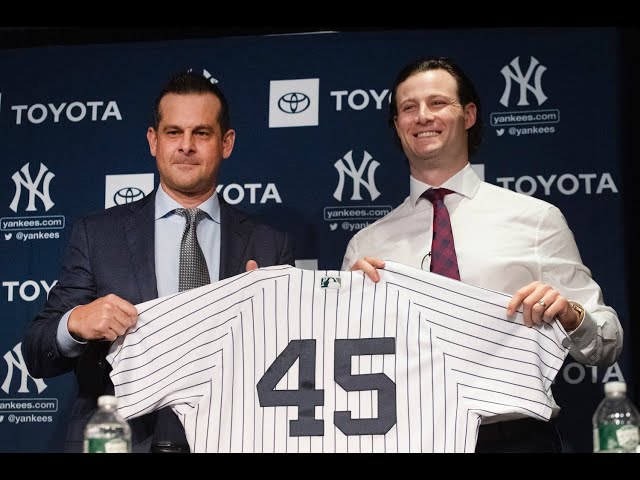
424, 114
187, 143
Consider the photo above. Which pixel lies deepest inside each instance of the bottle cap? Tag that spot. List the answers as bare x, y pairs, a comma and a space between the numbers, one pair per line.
107, 400
615, 387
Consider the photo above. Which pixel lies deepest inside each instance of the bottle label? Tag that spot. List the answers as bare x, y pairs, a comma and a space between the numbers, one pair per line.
613, 437
106, 445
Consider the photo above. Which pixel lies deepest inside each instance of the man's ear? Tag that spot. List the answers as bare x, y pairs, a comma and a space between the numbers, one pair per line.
152, 138
470, 112
228, 140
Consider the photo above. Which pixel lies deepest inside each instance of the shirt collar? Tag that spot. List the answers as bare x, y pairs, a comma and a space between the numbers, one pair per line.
165, 205
466, 182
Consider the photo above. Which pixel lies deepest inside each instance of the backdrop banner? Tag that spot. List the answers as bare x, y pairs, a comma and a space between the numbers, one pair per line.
313, 156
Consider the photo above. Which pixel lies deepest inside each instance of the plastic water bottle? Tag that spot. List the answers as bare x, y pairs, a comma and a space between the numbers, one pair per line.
616, 422
107, 431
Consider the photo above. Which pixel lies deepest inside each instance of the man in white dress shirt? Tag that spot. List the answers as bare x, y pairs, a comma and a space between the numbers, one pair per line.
504, 241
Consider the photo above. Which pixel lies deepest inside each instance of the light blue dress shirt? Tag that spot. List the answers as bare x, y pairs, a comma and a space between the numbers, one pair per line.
168, 234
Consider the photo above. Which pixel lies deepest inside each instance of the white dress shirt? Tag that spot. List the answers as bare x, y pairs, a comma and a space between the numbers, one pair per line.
504, 240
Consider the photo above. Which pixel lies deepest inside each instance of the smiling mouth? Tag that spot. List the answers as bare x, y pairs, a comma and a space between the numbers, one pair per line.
427, 134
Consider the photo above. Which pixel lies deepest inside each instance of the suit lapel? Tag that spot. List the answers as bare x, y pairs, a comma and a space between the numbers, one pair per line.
140, 232
233, 240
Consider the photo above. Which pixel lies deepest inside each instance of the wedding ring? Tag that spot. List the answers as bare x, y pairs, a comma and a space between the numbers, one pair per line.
542, 304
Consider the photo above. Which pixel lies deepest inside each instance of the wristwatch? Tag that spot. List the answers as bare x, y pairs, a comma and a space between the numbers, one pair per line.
579, 309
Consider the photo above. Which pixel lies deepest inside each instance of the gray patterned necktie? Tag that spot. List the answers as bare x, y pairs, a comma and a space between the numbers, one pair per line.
193, 267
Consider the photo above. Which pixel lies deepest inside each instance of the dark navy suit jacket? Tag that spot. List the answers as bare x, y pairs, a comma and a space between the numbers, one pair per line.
113, 252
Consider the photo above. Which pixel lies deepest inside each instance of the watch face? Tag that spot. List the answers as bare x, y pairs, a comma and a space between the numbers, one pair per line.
578, 308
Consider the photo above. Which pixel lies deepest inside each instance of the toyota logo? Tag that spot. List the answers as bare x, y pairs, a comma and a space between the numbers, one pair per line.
294, 102
127, 195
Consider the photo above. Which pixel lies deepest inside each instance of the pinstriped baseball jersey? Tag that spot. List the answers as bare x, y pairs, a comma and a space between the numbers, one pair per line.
281, 359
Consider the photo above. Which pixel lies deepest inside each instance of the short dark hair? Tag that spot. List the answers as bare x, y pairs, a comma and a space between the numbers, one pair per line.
187, 82
466, 93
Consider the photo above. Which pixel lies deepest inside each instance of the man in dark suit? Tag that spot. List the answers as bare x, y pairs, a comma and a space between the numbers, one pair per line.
129, 254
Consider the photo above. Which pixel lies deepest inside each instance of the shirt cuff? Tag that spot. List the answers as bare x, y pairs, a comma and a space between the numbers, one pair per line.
584, 333
69, 346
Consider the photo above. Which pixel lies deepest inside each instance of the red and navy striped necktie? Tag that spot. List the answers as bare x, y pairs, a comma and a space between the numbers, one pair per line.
443, 252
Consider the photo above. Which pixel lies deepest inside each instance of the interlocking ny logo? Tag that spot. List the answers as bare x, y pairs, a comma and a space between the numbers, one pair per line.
42, 181
356, 174
207, 75
515, 73
18, 362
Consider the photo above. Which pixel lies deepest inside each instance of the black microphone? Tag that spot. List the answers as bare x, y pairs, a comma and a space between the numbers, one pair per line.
423, 259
